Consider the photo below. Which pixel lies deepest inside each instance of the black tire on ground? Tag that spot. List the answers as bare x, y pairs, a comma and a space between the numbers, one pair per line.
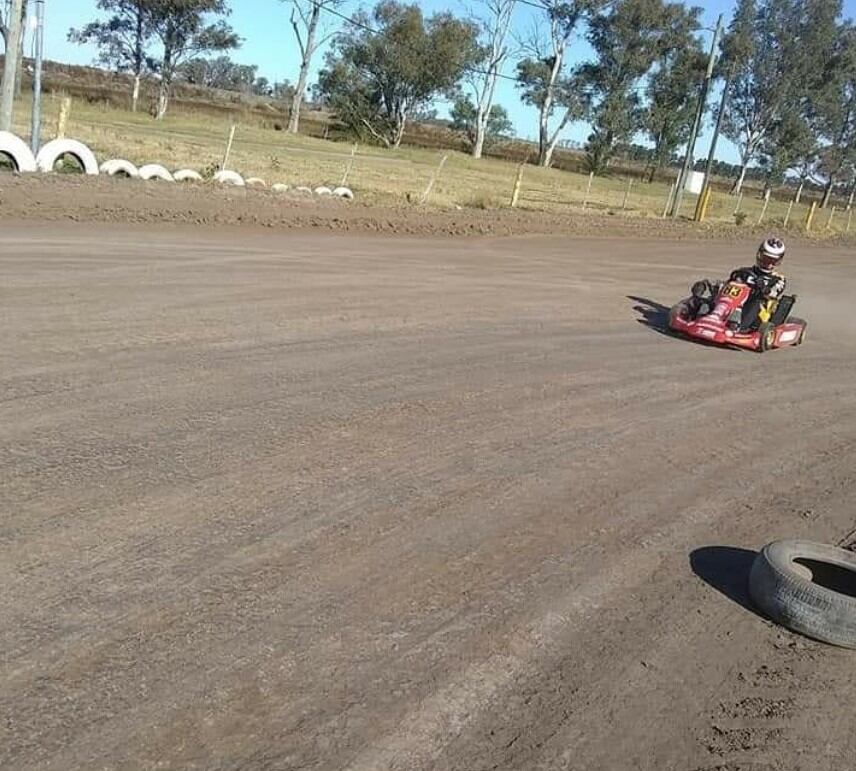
809, 588
801, 338
768, 337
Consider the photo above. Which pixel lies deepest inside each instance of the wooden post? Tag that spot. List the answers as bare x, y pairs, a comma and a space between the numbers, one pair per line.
228, 148
788, 214
350, 166
849, 220
627, 194
588, 190
704, 202
62, 121
810, 216
831, 217
515, 192
764, 207
433, 179
669, 200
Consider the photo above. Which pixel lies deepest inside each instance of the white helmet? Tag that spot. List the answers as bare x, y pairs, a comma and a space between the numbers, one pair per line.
770, 255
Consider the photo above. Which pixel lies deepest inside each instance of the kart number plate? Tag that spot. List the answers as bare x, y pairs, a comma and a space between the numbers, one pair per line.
732, 290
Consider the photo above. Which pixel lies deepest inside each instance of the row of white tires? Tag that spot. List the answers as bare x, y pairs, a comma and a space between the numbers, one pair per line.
24, 161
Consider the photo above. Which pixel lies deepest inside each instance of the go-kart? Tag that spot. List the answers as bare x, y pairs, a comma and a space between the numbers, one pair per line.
723, 324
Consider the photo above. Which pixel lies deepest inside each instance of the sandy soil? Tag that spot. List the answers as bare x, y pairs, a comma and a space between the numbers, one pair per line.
302, 501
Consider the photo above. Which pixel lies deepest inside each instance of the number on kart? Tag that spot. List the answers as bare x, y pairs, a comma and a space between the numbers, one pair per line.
732, 290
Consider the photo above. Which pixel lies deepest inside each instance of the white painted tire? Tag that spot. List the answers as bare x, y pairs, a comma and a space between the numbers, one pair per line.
156, 171
323, 190
229, 178
119, 167
187, 175
53, 151
344, 192
279, 187
17, 151
303, 190
256, 182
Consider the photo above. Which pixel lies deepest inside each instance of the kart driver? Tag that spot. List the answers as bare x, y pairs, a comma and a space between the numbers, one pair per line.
767, 286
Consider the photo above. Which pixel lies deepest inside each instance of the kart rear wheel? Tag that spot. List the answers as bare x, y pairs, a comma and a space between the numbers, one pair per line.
767, 338
801, 338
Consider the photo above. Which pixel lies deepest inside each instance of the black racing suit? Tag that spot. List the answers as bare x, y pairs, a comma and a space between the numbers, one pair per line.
767, 289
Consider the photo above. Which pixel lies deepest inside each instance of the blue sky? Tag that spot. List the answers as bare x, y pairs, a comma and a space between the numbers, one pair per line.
268, 43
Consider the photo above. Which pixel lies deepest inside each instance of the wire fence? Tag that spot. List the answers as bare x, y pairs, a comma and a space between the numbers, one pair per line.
431, 177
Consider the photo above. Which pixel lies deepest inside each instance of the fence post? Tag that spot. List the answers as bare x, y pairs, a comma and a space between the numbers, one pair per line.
788, 213
433, 179
350, 166
228, 148
62, 121
764, 207
515, 192
810, 216
669, 200
831, 217
849, 219
703, 203
588, 190
627, 194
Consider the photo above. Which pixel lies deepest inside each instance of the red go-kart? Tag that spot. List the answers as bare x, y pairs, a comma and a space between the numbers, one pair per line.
722, 325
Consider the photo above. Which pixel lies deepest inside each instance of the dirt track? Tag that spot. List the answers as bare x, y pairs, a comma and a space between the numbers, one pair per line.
325, 502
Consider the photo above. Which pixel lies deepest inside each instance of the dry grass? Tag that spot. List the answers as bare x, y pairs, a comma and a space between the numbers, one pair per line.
196, 139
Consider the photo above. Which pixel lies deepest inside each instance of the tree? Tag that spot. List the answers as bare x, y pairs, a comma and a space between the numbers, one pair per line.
542, 76
465, 118
494, 25
627, 41
790, 144
220, 73
374, 82
777, 49
182, 28
833, 108
306, 18
4, 33
122, 40
673, 96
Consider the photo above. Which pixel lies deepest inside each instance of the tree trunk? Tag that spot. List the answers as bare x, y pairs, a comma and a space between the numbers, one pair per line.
544, 153
827, 192
307, 52
135, 96
483, 115
19, 72
399, 131
163, 98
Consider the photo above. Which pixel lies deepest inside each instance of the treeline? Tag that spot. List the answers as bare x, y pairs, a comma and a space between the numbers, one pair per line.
787, 68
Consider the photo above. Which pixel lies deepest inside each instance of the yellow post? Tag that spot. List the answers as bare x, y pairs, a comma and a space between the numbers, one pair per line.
62, 121
788, 213
515, 193
810, 216
831, 217
705, 203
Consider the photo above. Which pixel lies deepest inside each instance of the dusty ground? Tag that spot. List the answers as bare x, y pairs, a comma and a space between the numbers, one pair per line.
72, 198
302, 501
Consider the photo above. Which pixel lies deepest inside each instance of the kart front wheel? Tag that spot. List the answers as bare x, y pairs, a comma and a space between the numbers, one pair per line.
767, 339
676, 312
